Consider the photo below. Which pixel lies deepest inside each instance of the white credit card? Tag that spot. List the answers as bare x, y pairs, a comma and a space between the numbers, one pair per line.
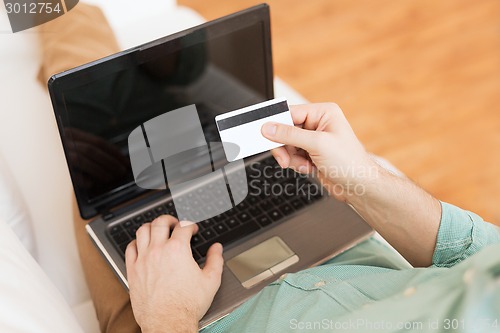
240, 130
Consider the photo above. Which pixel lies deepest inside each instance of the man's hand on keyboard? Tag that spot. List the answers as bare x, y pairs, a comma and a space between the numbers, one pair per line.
168, 290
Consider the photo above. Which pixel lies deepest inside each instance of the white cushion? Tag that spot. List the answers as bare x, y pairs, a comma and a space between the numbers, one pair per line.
121, 13
29, 303
13, 209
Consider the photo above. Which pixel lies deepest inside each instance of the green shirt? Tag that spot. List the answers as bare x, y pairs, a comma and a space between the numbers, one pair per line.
369, 288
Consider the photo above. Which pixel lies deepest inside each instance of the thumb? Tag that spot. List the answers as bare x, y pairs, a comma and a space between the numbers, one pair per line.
215, 261
290, 135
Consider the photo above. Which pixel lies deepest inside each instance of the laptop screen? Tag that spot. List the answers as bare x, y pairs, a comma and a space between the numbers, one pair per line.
220, 66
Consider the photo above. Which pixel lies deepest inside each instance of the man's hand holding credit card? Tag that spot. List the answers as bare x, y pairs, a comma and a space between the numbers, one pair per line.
243, 127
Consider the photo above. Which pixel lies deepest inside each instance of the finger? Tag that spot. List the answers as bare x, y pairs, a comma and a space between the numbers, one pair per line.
301, 164
316, 116
313, 117
160, 228
131, 253
184, 233
291, 151
143, 236
291, 135
281, 156
290, 157
215, 262
300, 113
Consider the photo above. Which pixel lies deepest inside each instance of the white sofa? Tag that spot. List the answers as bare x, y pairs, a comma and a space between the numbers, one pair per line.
31, 147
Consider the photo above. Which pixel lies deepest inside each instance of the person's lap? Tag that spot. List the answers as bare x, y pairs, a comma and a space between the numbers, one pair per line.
369, 253
291, 294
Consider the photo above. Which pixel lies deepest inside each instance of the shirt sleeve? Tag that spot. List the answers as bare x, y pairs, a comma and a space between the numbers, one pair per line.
461, 234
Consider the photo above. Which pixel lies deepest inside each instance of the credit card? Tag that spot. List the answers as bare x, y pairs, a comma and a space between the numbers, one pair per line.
241, 129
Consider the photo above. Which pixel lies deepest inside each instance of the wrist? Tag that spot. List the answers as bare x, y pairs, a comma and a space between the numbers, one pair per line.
365, 182
179, 323
178, 327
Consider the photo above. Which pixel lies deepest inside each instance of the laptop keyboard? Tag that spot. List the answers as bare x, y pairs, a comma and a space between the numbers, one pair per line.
287, 192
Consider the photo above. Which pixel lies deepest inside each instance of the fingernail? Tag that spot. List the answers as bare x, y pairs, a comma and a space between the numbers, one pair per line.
221, 248
186, 223
269, 129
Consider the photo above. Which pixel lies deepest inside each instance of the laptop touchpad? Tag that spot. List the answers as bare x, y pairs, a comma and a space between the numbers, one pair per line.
262, 261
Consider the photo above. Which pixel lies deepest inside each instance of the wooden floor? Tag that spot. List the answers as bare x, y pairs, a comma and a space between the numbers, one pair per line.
419, 81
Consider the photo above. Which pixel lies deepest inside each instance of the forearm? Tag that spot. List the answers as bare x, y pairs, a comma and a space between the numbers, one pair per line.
171, 320
404, 214
174, 327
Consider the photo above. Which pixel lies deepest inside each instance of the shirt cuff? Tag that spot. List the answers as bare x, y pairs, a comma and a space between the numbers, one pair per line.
461, 234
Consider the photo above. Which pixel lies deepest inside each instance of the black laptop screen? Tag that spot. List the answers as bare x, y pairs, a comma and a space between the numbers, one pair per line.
221, 66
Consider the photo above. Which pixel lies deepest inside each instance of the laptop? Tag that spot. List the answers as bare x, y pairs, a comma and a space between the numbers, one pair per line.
284, 222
